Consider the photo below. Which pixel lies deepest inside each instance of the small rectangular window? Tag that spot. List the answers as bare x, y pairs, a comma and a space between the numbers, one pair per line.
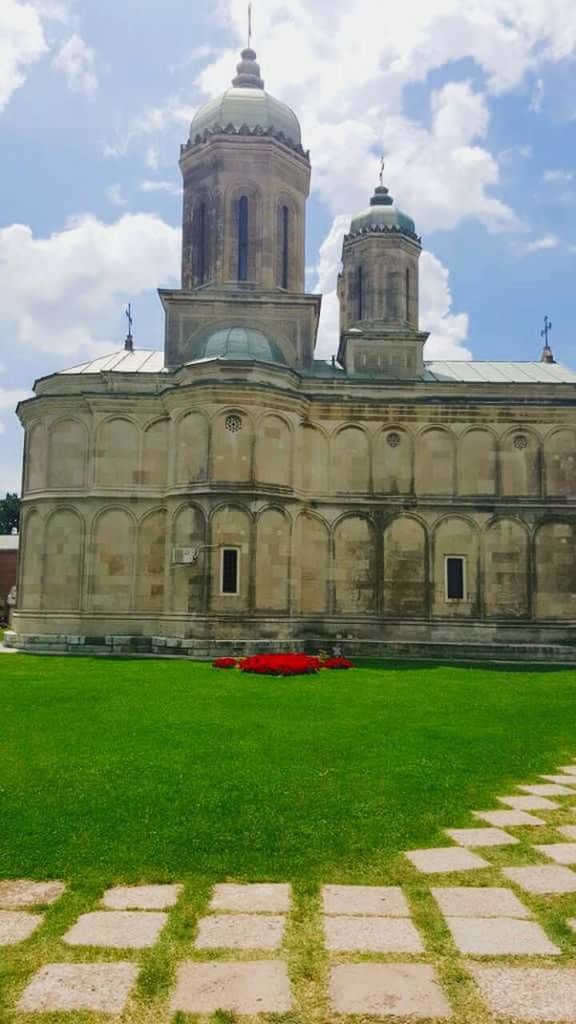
229, 571
455, 578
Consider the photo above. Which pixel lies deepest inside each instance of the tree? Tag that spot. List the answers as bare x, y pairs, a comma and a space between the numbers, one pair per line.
9, 513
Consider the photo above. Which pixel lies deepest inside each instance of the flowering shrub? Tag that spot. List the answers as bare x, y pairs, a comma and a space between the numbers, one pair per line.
337, 663
280, 664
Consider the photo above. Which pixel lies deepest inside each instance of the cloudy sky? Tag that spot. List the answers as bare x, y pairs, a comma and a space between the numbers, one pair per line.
473, 103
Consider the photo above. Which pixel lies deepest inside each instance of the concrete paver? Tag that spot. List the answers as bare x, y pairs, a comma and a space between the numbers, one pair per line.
509, 818
472, 901
99, 988
141, 897
236, 987
251, 899
380, 900
17, 925
562, 853
388, 990
480, 836
372, 935
240, 931
23, 892
543, 879
528, 993
547, 789
445, 860
117, 929
500, 936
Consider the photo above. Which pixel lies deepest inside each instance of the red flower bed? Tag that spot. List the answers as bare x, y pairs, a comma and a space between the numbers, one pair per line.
224, 663
337, 663
280, 664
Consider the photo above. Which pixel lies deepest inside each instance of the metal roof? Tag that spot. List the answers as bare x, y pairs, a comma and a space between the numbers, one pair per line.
475, 372
462, 371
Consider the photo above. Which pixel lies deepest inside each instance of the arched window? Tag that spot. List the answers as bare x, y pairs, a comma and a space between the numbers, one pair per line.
360, 293
285, 245
200, 244
243, 238
407, 293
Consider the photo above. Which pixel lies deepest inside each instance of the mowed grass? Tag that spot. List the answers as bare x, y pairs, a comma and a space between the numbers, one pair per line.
154, 769
147, 771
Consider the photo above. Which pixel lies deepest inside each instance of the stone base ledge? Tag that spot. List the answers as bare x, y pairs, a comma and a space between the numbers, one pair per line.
207, 650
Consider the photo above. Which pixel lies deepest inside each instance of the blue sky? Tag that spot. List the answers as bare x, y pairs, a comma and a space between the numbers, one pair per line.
474, 105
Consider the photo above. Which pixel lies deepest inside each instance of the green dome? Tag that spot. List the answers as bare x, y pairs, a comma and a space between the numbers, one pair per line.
238, 343
382, 215
246, 104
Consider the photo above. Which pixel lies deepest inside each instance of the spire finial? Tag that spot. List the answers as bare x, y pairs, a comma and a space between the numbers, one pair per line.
547, 354
250, 26
248, 69
129, 342
382, 166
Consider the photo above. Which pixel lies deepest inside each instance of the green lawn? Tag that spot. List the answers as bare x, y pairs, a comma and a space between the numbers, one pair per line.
154, 768
133, 771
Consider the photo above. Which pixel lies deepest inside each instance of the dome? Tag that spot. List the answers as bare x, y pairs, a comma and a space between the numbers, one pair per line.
382, 215
247, 104
238, 343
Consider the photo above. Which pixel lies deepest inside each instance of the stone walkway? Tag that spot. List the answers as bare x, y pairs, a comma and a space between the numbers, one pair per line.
378, 949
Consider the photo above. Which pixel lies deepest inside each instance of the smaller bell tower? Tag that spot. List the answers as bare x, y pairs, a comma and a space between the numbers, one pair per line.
378, 293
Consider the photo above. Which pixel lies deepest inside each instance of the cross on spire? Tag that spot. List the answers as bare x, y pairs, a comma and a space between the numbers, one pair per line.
546, 330
249, 26
129, 343
382, 166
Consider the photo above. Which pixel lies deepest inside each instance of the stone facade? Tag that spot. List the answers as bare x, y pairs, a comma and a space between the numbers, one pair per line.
345, 490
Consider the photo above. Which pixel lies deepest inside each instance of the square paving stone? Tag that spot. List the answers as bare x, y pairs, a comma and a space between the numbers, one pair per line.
547, 789
500, 936
245, 988
568, 769
445, 859
543, 879
528, 993
380, 900
562, 853
387, 990
240, 931
118, 929
567, 830
17, 925
100, 988
251, 899
141, 897
507, 818
480, 836
529, 803
468, 901
372, 935
562, 780
25, 893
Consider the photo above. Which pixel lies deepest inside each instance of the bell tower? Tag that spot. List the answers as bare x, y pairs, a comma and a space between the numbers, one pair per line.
378, 293
246, 181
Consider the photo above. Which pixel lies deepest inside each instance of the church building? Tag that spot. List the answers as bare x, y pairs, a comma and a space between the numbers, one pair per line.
235, 493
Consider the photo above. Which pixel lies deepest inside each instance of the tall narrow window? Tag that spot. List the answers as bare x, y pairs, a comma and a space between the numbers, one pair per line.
407, 293
360, 293
455, 578
243, 238
285, 245
229, 576
200, 242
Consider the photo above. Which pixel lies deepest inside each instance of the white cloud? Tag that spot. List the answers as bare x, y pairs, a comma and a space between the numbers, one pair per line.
75, 59
160, 186
22, 42
448, 330
63, 294
150, 121
558, 175
115, 196
541, 244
